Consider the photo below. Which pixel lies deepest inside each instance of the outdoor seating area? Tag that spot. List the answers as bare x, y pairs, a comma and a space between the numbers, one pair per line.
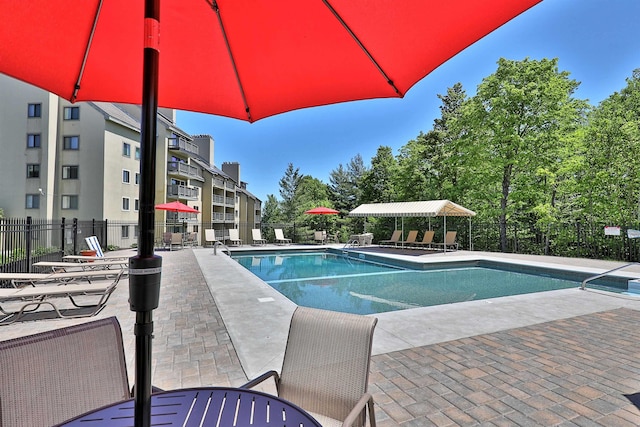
412, 240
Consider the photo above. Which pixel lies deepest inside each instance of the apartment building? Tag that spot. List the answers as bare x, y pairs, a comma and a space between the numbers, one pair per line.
82, 161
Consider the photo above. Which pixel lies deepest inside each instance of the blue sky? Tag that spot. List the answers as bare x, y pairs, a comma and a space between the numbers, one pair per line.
595, 40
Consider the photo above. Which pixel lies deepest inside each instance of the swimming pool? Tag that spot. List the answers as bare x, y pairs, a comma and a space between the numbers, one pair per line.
334, 282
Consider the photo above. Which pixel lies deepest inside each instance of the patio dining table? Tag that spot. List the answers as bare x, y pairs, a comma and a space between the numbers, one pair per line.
211, 406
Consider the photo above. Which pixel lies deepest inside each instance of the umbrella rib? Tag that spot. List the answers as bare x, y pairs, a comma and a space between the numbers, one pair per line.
86, 53
214, 5
364, 49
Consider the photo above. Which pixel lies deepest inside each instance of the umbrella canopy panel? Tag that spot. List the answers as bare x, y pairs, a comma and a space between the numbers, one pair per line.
247, 59
427, 208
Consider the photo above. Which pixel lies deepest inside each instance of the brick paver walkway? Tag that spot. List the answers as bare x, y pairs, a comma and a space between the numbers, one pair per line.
573, 372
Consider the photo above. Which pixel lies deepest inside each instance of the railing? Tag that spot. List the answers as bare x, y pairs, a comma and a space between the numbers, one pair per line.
606, 273
182, 191
182, 144
219, 243
185, 169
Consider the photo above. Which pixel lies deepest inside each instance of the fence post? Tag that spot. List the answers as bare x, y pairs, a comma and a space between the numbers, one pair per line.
28, 243
75, 236
62, 226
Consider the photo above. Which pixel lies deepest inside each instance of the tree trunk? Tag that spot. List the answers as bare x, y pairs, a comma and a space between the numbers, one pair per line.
506, 184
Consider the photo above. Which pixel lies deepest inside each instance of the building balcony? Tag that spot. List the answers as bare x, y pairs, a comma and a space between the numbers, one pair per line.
218, 200
185, 170
230, 201
222, 217
183, 145
176, 191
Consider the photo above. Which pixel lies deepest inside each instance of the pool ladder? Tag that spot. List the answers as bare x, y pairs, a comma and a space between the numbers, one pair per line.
219, 243
597, 276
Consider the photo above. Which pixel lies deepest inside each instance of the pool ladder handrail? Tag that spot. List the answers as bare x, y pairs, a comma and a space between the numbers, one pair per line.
351, 244
219, 243
597, 276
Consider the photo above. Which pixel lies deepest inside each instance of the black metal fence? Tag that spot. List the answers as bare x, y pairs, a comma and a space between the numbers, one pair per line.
24, 241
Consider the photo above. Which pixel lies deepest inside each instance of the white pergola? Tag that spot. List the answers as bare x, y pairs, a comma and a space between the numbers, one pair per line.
425, 208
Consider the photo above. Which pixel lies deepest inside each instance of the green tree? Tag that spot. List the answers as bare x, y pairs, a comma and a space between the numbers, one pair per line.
288, 191
611, 184
378, 182
344, 184
271, 212
512, 129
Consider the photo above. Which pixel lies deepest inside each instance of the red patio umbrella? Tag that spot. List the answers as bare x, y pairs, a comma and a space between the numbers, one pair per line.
247, 59
176, 206
321, 210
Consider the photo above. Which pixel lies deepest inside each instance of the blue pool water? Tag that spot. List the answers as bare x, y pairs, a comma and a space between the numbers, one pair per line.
332, 282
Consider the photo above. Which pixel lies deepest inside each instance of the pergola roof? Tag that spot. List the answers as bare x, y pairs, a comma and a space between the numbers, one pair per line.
426, 208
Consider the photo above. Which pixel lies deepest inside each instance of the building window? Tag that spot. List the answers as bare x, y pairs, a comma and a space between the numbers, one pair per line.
33, 201
126, 149
125, 203
69, 172
125, 176
124, 231
33, 171
71, 143
71, 113
136, 205
137, 178
33, 140
70, 202
137, 153
34, 110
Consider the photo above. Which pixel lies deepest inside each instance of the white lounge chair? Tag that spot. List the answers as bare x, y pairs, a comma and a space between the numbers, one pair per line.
210, 236
256, 235
234, 237
280, 239
94, 245
320, 237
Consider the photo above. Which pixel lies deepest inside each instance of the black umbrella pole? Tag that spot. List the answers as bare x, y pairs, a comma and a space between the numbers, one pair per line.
145, 268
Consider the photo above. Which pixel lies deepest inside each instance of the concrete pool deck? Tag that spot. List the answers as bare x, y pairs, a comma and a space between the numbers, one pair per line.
555, 358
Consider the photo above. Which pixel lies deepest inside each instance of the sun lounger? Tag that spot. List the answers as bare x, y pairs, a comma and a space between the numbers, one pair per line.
394, 240
21, 279
427, 239
84, 258
449, 241
61, 267
210, 236
234, 237
15, 303
411, 238
256, 235
280, 239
